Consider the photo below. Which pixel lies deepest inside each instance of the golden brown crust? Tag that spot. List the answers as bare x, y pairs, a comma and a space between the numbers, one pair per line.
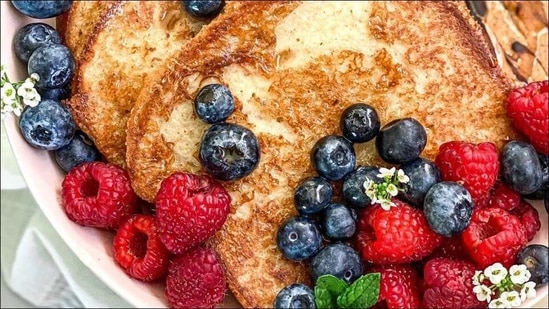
425, 60
130, 42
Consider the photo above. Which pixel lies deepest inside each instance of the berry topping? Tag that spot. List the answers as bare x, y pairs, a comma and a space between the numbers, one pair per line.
139, 250
401, 140
195, 280
204, 8
32, 36
353, 186
338, 221
501, 196
229, 151
529, 217
190, 209
448, 207
54, 64
398, 286
312, 195
359, 123
448, 284
536, 259
451, 248
214, 103
79, 150
476, 166
333, 157
299, 238
528, 109
339, 260
42, 9
494, 235
398, 235
48, 125
521, 167
294, 296
98, 194
423, 174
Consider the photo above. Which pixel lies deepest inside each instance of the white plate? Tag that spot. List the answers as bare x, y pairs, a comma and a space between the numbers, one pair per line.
93, 246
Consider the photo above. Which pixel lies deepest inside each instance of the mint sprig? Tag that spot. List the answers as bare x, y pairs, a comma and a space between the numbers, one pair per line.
332, 292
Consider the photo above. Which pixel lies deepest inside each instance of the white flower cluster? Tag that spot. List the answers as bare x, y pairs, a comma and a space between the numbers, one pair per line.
382, 193
503, 289
15, 95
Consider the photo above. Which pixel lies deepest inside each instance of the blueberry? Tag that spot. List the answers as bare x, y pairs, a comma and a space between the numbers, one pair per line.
544, 188
339, 260
32, 36
296, 295
214, 103
48, 125
299, 238
423, 175
61, 93
448, 208
401, 140
42, 9
81, 149
333, 157
338, 221
359, 123
521, 167
54, 64
353, 186
204, 8
312, 195
229, 151
535, 257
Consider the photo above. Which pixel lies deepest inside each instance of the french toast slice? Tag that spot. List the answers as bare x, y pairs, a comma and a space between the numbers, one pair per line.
77, 24
129, 44
293, 67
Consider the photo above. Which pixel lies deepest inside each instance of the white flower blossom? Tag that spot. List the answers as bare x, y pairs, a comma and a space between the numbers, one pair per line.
26, 88
392, 189
35, 77
385, 172
495, 273
386, 204
483, 292
499, 303
512, 298
528, 290
519, 274
402, 178
8, 93
478, 277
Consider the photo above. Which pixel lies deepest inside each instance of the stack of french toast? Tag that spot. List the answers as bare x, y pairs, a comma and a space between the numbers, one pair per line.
293, 67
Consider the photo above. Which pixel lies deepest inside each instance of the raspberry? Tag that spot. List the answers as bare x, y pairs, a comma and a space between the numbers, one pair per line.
98, 194
529, 217
494, 235
448, 284
139, 250
475, 166
528, 109
398, 235
398, 286
451, 248
190, 209
504, 197
195, 280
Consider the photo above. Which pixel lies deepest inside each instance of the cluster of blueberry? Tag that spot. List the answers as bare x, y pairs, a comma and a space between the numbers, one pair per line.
50, 125
228, 151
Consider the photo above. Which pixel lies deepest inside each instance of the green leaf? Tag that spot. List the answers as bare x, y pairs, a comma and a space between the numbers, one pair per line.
363, 293
327, 289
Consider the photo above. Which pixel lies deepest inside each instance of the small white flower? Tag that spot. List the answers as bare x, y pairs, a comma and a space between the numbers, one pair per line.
512, 297
386, 204
392, 189
519, 274
402, 178
478, 277
35, 77
499, 303
528, 290
385, 172
8, 93
495, 273
32, 99
483, 292
26, 89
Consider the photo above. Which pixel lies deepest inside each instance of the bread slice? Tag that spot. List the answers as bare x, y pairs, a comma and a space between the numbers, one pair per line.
293, 67
77, 24
131, 42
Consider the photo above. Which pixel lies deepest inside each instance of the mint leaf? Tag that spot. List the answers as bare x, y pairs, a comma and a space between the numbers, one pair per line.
327, 289
363, 293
